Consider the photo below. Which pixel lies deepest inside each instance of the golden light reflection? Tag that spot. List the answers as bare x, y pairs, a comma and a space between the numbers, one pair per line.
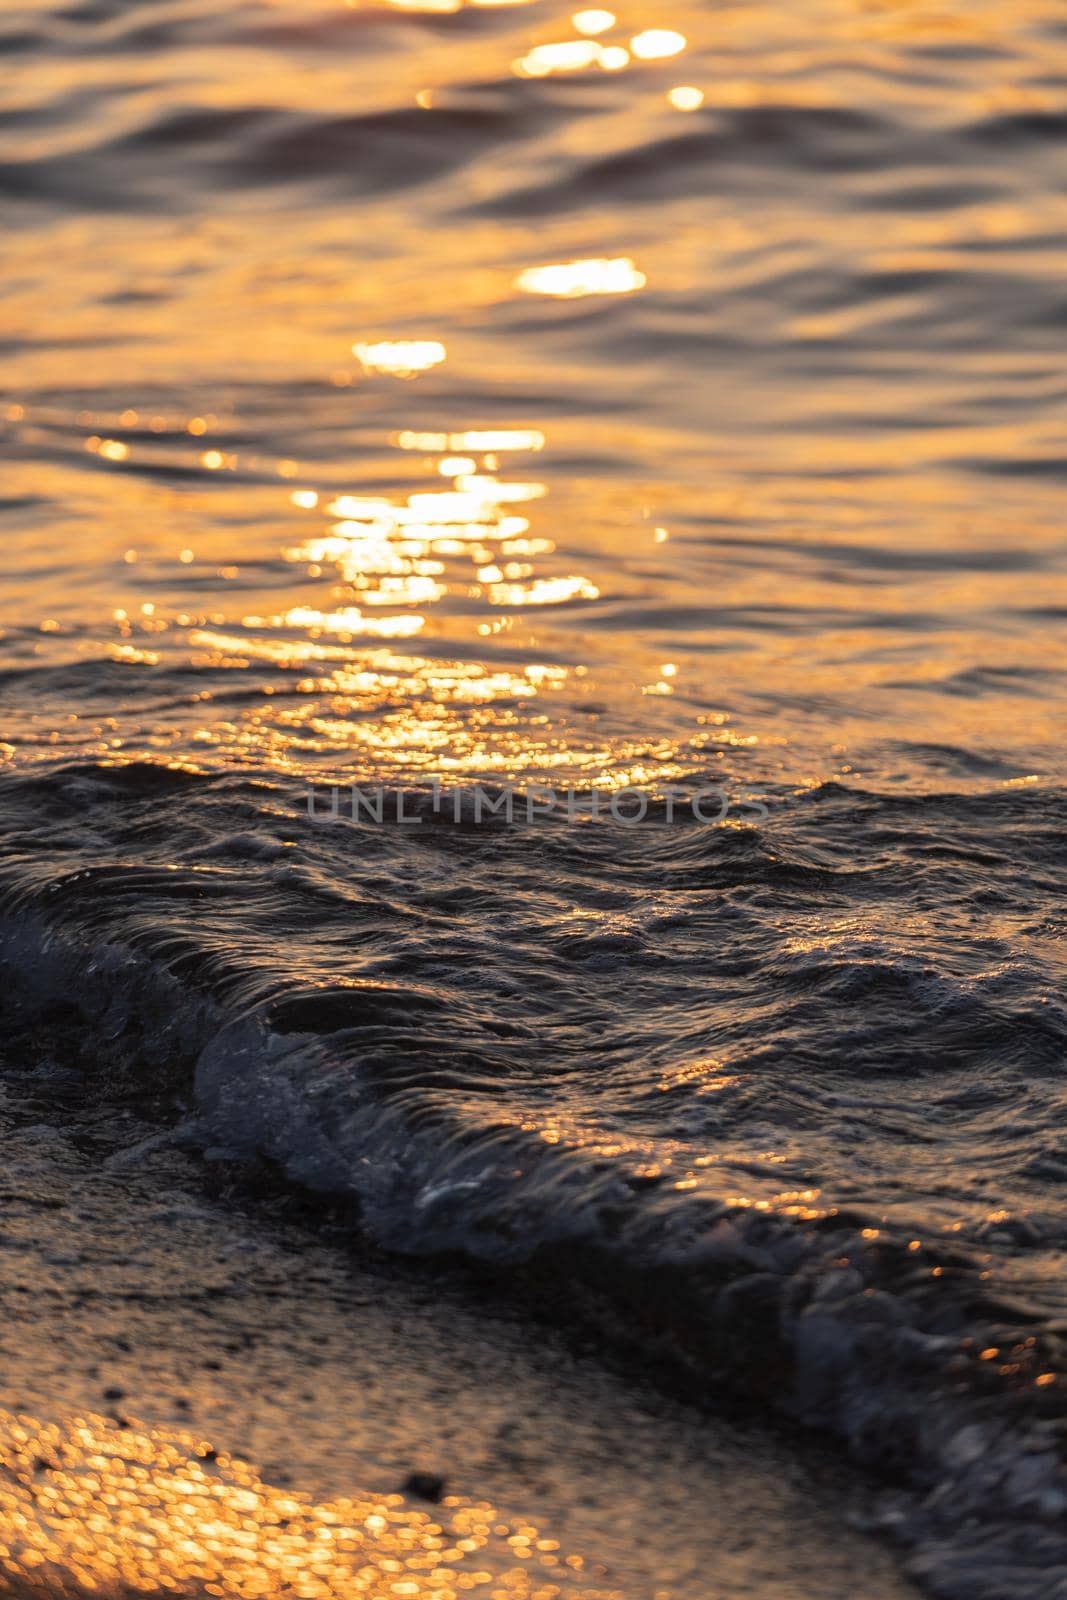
234, 649
90, 1506
395, 551
593, 21
657, 44
543, 592
586, 52
400, 358
348, 622
445, 7
789, 1203
450, 558
498, 440
573, 280
465, 544
711, 1174
704, 1076
569, 55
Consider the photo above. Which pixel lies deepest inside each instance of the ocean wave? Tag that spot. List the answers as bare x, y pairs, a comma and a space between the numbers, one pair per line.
252, 146
460, 1031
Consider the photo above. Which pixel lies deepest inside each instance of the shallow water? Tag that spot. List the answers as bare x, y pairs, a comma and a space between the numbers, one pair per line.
807, 453
397, 394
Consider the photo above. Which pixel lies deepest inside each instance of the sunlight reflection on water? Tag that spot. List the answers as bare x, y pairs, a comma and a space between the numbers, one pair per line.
793, 432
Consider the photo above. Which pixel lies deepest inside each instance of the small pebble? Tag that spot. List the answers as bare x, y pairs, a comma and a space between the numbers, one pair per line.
426, 1486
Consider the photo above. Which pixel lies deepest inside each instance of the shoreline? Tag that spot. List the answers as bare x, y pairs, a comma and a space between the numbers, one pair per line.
129, 1291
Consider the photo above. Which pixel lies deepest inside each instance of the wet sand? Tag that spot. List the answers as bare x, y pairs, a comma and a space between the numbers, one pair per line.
132, 1293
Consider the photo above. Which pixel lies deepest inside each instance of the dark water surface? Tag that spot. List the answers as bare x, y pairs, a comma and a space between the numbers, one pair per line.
397, 393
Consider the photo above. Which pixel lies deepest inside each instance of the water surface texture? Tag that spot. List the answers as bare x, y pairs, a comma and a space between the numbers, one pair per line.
663, 396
